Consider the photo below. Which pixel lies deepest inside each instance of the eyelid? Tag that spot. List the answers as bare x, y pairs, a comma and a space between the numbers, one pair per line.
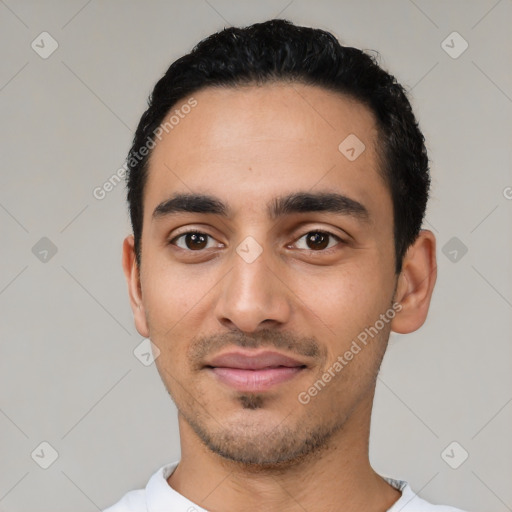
315, 227
188, 228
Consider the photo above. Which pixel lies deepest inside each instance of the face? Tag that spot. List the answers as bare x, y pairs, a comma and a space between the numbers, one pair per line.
254, 290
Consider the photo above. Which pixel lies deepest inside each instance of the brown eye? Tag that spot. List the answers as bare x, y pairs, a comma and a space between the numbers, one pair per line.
192, 241
318, 240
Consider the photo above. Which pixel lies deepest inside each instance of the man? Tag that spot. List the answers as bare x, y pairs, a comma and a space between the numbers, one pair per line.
277, 185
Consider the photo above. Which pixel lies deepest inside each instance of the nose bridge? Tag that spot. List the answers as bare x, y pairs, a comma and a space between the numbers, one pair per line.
251, 293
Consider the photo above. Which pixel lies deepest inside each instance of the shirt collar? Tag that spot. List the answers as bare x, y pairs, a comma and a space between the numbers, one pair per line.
161, 497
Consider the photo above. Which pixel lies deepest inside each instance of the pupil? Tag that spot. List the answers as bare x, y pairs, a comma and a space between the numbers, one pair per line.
198, 240
319, 240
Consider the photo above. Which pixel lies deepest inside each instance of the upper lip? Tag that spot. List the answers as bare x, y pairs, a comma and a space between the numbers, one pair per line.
253, 361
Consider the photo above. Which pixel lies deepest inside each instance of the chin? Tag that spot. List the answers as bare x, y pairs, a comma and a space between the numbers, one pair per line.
261, 439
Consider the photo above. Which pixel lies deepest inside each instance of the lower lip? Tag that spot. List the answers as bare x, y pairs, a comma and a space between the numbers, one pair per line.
255, 380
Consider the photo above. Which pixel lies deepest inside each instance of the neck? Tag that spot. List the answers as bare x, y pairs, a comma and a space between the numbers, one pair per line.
337, 477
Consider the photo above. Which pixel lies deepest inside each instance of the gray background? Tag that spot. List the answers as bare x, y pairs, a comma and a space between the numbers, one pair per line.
69, 376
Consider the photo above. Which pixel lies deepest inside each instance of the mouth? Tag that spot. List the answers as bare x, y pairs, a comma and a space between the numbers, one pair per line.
254, 372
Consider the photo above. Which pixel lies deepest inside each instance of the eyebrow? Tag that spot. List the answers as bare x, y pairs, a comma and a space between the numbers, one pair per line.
298, 202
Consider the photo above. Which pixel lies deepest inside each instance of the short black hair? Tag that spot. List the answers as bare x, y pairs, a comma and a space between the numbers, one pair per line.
278, 50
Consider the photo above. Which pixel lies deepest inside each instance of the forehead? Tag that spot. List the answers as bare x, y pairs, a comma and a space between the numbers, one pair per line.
252, 143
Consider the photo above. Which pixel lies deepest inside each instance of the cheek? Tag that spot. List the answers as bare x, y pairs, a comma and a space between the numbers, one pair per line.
172, 299
168, 295
177, 299
343, 302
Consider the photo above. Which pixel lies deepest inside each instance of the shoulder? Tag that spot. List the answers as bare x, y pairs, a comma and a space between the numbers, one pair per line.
411, 502
156, 490
132, 501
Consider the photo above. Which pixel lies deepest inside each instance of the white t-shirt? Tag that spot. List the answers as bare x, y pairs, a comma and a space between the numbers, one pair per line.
159, 496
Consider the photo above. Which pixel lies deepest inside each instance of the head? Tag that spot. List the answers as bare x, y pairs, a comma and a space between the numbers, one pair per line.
298, 170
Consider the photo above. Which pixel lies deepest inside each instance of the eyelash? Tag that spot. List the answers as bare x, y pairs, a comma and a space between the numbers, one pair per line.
321, 231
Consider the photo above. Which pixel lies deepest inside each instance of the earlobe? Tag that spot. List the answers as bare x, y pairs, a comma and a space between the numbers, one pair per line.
416, 284
132, 275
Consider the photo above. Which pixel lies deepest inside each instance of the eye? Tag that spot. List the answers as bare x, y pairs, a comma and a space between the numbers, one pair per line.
192, 241
318, 240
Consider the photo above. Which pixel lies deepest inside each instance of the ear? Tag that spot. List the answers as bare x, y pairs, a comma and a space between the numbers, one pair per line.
132, 274
416, 284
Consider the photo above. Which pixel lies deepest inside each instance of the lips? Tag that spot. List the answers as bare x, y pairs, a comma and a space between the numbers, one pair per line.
251, 372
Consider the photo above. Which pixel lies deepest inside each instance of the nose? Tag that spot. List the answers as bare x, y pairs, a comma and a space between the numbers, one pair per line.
252, 295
